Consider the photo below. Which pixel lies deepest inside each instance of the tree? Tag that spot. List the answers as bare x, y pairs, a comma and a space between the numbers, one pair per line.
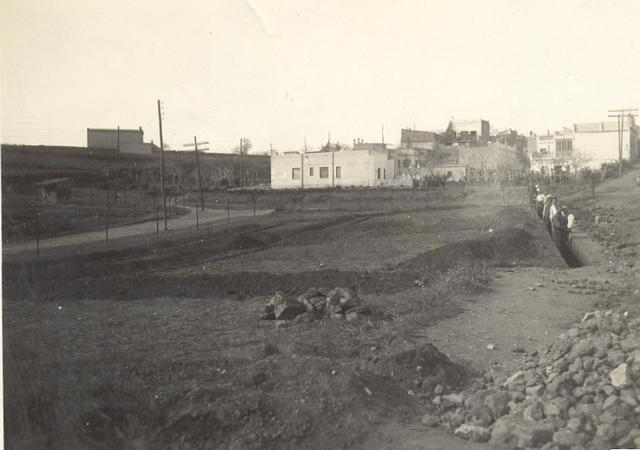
246, 146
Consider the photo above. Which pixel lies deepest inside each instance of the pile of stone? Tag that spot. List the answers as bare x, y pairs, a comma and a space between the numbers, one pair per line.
583, 393
338, 303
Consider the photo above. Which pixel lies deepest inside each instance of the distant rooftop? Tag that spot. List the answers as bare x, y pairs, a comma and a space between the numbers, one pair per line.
126, 130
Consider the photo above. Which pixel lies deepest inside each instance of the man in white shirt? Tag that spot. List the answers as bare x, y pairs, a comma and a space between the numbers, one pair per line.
540, 198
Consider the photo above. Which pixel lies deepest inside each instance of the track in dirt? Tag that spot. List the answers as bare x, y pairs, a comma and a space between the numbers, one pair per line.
133, 276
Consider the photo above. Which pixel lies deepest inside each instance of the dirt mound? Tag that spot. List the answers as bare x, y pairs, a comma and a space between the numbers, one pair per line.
498, 247
418, 366
282, 401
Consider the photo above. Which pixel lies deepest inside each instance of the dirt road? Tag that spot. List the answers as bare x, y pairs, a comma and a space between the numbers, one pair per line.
208, 216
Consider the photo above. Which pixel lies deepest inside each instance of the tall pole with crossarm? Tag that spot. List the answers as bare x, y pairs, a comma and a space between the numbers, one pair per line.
620, 115
164, 199
195, 146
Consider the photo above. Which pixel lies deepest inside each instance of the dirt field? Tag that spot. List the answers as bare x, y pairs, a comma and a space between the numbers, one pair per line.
159, 344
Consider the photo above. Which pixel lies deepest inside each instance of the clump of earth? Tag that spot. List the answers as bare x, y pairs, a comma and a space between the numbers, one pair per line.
316, 303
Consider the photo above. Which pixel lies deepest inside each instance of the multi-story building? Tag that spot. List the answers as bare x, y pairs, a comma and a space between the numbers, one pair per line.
583, 145
470, 132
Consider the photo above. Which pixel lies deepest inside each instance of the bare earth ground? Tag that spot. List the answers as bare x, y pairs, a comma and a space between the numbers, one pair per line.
159, 344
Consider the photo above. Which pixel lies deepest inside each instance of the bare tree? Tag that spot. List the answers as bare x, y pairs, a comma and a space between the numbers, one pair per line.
246, 146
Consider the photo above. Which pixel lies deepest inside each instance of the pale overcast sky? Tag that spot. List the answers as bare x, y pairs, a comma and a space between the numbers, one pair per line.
279, 71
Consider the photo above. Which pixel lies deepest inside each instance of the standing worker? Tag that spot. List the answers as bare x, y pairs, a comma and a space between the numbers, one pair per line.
546, 212
571, 219
532, 191
561, 232
540, 198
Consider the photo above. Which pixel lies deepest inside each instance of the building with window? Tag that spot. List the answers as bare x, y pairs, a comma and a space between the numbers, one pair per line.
293, 170
583, 145
468, 132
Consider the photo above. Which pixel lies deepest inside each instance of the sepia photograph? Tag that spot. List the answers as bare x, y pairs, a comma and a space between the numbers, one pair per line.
336, 224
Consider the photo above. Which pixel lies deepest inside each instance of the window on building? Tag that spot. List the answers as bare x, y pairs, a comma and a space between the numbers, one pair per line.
310, 171
564, 144
406, 163
378, 173
384, 173
324, 172
449, 174
295, 173
338, 172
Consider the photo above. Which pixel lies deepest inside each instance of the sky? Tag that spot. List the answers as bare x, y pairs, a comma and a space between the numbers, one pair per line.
280, 72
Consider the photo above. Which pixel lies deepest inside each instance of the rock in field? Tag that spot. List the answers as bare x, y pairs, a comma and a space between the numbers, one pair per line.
473, 432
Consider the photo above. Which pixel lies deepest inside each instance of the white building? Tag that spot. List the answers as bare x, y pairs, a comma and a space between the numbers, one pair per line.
472, 132
583, 145
292, 170
597, 143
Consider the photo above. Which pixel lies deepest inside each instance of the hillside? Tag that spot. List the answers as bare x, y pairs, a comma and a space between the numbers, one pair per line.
26, 164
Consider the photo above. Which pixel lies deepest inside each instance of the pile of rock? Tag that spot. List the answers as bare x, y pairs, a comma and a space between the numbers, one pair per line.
314, 304
582, 393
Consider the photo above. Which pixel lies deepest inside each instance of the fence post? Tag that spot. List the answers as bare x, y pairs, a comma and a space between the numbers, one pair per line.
197, 217
302, 203
38, 233
253, 200
157, 222
228, 213
106, 224
391, 199
331, 200
135, 212
360, 201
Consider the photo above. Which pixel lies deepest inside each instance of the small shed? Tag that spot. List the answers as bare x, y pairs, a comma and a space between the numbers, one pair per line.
57, 190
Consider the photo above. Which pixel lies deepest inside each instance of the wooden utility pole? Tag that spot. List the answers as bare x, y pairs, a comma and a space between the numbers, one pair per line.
620, 115
195, 146
115, 197
241, 167
302, 171
164, 199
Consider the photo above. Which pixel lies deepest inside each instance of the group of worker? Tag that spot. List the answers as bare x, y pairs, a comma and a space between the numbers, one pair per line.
555, 216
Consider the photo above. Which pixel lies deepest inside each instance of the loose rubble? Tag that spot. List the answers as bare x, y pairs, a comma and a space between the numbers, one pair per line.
583, 393
338, 303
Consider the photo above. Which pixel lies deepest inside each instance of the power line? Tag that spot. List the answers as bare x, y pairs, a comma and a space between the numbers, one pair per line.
620, 114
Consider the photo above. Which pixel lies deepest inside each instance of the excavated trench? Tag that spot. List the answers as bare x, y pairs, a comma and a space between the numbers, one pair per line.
582, 250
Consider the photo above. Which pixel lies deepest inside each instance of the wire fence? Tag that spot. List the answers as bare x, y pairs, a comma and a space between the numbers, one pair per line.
88, 210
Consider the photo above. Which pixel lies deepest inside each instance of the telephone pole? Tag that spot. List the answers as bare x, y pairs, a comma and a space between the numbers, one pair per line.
620, 115
195, 145
164, 199
241, 166
115, 195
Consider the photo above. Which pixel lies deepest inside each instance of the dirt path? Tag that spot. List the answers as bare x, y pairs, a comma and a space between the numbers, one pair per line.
522, 312
208, 216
